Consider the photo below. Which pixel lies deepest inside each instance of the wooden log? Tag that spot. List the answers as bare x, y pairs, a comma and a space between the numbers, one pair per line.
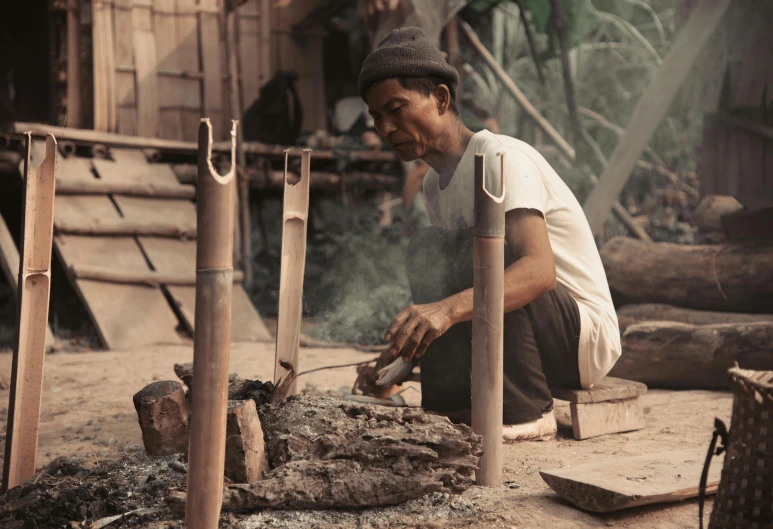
488, 321
322, 451
295, 215
124, 227
733, 278
621, 483
211, 348
651, 108
162, 411
33, 292
707, 216
245, 449
137, 277
683, 356
632, 314
128, 188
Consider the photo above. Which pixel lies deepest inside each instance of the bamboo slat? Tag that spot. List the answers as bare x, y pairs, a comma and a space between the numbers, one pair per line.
145, 64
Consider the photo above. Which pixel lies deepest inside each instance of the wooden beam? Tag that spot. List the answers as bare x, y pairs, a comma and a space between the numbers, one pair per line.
83, 136
128, 188
651, 108
124, 227
137, 277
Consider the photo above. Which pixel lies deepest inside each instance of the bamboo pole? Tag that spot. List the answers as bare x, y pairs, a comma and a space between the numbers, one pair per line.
73, 65
212, 339
296, 212
487, 322
33, 291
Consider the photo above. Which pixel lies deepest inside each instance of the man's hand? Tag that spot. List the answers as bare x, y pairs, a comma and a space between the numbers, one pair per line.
414, 328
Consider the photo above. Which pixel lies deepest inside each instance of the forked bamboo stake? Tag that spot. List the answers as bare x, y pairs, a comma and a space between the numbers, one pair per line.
296, 212
212, 340
21, 442
487, 322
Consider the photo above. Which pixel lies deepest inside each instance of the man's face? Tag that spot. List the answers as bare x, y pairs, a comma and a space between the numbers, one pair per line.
407, 119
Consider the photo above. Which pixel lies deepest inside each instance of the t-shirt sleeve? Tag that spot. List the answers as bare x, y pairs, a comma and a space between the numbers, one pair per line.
524, 183
430, 199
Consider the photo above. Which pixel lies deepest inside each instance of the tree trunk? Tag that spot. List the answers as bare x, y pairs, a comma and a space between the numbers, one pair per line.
733, 278
632, 314
683, 356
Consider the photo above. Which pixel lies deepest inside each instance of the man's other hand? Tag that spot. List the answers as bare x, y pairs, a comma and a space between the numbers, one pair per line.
414, 328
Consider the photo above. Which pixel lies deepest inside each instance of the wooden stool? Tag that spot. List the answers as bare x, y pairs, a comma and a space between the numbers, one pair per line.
611, 406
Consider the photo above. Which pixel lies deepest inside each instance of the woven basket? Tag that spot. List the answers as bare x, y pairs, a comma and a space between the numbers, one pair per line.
745, 496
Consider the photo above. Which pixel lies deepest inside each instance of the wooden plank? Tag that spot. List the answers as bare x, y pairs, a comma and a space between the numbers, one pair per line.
170, 91
151, 211
119, 187
145, 64
73, 170
188, 61
624, 482
213, 67
602, 418
651, 108
125, 93
172, 257
610, 388
125, 316
104, 67
9, 263
246, 325
85, 214
132, 166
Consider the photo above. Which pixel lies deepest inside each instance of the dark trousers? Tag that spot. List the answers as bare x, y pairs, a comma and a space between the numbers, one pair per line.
540, 339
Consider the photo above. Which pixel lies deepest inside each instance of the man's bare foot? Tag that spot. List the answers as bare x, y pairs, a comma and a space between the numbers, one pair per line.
543, 429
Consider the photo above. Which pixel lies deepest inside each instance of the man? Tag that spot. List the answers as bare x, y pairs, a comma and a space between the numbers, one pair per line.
560, 326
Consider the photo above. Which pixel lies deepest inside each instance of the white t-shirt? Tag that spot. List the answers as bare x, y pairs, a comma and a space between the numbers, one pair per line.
530, 182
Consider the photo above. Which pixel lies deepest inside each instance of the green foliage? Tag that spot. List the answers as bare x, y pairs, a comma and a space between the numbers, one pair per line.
616, 47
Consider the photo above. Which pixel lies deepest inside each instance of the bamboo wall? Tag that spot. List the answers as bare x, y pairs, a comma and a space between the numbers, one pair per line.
160, 65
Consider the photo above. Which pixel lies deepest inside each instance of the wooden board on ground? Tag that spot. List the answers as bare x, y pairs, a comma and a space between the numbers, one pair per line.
611, 485
177, 257
148, 212
125, 316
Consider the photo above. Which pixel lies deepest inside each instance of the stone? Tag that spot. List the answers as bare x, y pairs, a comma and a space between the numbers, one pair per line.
245, 448
163, 414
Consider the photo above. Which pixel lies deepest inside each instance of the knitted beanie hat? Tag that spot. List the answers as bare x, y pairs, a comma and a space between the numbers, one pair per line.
405, 52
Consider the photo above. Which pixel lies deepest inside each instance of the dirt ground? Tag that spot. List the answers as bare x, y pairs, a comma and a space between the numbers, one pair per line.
87, 412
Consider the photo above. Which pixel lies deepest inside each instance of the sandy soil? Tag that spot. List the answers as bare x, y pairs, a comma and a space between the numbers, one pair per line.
87, 411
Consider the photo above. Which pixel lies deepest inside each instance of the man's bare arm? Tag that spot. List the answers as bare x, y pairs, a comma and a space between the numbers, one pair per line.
532, 274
